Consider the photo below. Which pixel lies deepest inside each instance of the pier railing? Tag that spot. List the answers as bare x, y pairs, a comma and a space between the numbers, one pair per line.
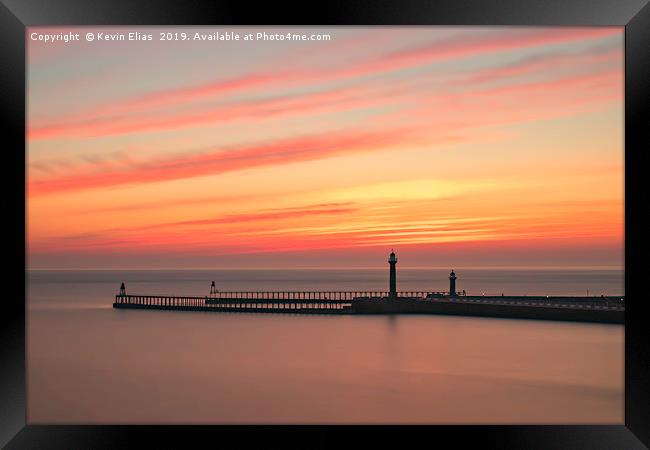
286, 302
330, 301
312, 295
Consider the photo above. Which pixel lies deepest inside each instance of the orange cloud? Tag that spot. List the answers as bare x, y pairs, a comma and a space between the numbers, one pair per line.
287, 213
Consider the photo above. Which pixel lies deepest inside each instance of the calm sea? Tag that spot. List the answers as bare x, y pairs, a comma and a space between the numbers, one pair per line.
89, 363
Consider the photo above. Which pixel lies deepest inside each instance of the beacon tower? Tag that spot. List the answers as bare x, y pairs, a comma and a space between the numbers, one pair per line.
452, 284
392, 260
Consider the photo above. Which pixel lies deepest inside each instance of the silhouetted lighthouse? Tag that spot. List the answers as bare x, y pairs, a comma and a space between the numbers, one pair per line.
452, 284
393, 276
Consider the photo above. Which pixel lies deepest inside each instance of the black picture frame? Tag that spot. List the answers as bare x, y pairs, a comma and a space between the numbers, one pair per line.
16, 15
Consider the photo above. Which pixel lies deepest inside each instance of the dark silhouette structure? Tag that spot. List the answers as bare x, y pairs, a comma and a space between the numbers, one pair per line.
392, 291
582, 309
452, 284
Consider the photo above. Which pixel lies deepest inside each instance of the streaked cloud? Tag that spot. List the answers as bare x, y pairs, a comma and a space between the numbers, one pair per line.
423, 138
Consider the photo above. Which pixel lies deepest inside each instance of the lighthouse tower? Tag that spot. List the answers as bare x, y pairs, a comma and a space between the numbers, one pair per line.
392, 260
452, 284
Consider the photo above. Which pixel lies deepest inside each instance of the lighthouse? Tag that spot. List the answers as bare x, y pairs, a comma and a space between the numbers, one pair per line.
452, 284
392, 260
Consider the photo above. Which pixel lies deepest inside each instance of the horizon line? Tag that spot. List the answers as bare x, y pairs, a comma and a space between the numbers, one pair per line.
456, 267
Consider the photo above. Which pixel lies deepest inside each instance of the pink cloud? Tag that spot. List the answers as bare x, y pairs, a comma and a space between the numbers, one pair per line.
290, 105
463, 111
297, 149
118, 118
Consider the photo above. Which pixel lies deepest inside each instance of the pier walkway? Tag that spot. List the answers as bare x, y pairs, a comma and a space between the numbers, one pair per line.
610, 303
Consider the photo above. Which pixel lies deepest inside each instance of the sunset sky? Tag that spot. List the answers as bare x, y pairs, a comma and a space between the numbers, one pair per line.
454, 146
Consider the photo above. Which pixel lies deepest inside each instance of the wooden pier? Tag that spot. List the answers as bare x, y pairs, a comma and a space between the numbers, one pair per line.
602, 309
326, 302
